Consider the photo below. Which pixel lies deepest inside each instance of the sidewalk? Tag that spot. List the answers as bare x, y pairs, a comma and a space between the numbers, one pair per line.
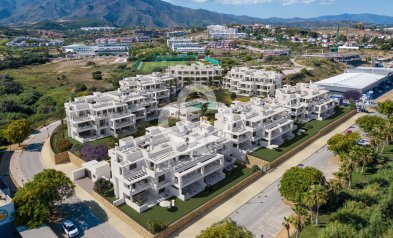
67, 168
231, 205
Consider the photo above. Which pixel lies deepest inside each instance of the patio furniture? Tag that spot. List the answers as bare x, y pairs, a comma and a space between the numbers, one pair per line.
166, 204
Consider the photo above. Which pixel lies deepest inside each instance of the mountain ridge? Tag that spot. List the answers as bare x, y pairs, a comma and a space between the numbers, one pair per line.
151, 13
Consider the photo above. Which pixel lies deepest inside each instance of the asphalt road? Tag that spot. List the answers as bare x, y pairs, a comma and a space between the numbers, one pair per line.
88, 216
263, 215
90, 224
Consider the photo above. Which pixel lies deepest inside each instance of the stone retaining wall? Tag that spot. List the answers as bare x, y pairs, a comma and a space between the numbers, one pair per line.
121, 215
210, 204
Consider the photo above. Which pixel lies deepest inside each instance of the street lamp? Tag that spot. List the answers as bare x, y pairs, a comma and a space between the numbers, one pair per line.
23, 182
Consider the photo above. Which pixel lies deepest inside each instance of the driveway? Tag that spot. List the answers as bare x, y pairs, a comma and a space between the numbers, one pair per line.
90, 224
90, 218
264, 214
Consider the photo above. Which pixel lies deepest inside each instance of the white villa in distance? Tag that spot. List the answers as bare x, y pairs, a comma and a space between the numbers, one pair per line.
223, 32
185, 45
178, 161
252, 82
306, 101
196, 73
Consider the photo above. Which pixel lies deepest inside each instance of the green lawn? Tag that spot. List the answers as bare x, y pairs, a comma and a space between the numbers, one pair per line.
148, 67
61, 133
316, 126
167, 217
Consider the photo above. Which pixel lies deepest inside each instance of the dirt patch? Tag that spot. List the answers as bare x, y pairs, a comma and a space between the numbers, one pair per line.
336, 160
284, 233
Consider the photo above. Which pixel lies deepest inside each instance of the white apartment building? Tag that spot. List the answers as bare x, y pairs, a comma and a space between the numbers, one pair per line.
178, 41
156, 86
252, 82
119, 112
184, 45
113, 113
254, 124
223, 32
178, 161
306, 101
196, 73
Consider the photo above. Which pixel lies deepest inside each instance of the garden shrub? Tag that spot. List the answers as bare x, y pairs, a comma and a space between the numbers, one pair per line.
63, 145
90, 152
102, 185
155, 226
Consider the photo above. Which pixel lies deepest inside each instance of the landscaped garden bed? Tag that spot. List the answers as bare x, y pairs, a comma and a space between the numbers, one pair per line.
168, 216
313, 128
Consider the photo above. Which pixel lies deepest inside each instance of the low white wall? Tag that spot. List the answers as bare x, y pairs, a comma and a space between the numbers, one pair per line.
78, 174
136, 207
118, 202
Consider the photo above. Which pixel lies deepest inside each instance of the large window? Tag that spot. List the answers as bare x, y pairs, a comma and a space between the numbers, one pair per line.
132, 166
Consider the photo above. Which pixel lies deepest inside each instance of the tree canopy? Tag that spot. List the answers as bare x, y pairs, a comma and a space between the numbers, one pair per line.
385, 108
36, 199
224, 229
17, 131
297, 181
368, 123
342, 143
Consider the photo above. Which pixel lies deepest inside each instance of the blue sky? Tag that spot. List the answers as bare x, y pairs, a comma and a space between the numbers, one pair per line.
290, 8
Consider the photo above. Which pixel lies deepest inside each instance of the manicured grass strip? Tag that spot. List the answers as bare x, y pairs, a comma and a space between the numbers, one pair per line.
271, 155
167, 217
148, 67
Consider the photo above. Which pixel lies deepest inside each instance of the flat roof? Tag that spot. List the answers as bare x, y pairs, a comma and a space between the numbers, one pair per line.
351, 80
41, 232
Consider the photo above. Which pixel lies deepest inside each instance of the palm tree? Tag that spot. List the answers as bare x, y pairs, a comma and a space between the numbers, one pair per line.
299, 219
319, 195
309, 202
366, 155
287, 226
382, 134
351, 161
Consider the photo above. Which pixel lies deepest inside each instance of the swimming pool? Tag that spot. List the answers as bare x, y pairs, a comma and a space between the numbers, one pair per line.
210, 105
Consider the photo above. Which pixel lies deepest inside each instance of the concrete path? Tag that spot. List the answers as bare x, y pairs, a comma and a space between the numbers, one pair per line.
227, 208
100, 223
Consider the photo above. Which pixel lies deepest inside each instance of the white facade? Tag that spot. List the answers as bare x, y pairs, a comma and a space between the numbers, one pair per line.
306, 101
92, 50
184, 45
252, 82
196, 73
254, 124
223, 32
118, 113
178, 161
157, 86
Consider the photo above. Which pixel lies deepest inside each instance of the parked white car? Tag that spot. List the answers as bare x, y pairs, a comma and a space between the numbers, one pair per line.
363, 142
70, 229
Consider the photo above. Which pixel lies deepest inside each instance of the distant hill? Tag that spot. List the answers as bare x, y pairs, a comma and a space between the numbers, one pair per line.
150, 13
365, 17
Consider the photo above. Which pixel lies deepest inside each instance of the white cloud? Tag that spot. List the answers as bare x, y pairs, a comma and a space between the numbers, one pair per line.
290, 2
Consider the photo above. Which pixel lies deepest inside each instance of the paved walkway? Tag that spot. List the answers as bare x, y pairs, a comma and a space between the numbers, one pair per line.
121, 227
227, 208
